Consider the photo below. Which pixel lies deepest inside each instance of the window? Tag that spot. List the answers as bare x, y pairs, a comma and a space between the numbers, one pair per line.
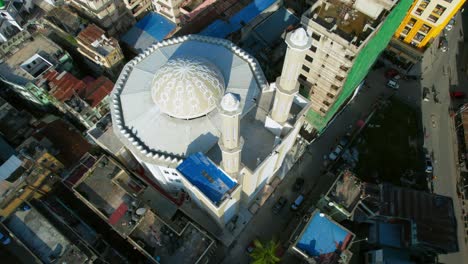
439, 10
313, 48
448, 1
349, 57
425, 29
339, 78
305, 68
302, 77
166, 172
330, 95
334, 87
175, 174
326, 103
309, 58
177, 180
419, 37
323, 110
323, 65
432, 18
411, 22
344, 68
327, 55
316, 36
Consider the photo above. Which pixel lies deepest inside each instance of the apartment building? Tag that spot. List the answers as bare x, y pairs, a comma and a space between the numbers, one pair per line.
422, 24
347, 39
111, 15
138, 8
104, 52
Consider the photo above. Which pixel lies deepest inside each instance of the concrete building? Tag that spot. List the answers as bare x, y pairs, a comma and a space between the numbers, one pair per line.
422, 223
24, 58
85, 100
169, 8
150, 224
218, 139
14, 15
111, 15
138, 8
343, 197
103, 52
44, 242
423, 23
347, 39
15, 125
318, 239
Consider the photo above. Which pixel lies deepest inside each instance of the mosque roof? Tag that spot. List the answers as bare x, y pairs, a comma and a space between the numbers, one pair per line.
165, 102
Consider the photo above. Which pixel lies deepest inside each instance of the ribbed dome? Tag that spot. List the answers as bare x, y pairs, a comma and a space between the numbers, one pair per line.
187, 88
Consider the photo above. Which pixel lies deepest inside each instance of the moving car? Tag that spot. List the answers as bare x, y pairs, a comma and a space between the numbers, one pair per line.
426, 94
429, 168
298, 184
450, 24
443, 44
279, 205
457, 95
335, 153
392, 83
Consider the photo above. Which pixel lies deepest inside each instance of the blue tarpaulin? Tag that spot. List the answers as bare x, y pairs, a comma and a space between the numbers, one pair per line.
150, 29
156, 25
323, 236
222, 29
206, 176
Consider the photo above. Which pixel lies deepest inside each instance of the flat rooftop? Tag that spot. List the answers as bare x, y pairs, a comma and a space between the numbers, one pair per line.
108, 188
42, 238
36, 47
344, 20
168, 245
346, 191
322, 238
200, 171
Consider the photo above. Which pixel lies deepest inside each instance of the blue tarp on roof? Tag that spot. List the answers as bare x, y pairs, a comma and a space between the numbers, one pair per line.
156, 25
221, 29
271, 28
206, 176
323, 236
150, 29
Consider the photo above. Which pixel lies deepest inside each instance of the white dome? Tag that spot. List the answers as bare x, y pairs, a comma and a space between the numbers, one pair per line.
187, 88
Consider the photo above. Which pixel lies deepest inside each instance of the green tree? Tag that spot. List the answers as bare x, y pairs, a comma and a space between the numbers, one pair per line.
265, 254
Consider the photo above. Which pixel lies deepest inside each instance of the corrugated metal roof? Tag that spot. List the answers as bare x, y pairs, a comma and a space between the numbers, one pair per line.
199, 170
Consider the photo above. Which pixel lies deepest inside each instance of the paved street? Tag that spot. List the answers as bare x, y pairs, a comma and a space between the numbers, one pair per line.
438, 70
441, 72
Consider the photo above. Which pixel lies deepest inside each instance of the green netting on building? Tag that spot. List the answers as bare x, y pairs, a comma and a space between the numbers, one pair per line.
364, 60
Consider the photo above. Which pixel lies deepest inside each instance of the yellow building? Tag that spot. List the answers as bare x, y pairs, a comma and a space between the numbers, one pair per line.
425, 20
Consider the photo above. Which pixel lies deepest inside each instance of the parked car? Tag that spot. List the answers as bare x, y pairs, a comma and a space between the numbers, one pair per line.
443, 44
279, 205
392, 73
250, 247
297, 202
426, 94
450, 24
298, 184
4, 239
457, 95
335, 153
429, 168
392, 83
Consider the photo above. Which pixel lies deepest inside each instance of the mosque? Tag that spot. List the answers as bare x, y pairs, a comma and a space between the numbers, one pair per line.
199, 116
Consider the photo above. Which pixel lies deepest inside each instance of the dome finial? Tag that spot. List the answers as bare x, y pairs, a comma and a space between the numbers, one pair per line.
230, 102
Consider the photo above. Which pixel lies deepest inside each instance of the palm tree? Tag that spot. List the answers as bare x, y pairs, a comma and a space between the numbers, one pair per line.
265, 254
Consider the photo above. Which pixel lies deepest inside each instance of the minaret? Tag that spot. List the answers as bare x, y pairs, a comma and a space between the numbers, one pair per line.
230, 141
287, 85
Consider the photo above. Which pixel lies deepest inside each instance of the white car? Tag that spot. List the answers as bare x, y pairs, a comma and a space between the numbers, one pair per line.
335, 153
450, 24
428, 162
392, 83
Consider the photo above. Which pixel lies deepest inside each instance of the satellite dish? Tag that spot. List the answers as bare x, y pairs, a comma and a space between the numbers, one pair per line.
141, 211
